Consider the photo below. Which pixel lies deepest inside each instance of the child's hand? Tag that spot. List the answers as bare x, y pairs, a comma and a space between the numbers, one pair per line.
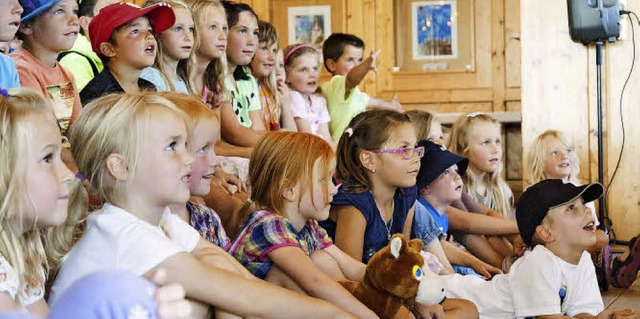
371, 60
170, 297
483, 269
624, 314
428, 312
396, 104
230, 182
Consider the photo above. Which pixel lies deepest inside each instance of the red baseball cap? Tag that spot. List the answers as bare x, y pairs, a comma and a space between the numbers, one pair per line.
118, 14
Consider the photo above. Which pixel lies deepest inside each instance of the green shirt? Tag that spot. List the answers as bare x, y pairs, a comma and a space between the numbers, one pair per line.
246, 99
78, 64
342, 110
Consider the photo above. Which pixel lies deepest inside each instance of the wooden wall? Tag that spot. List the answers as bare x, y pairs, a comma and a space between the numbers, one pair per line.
559, 92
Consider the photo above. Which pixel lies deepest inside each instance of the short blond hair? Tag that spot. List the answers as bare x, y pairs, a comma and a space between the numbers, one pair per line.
113, 124
537, 156
497, 188
193, 107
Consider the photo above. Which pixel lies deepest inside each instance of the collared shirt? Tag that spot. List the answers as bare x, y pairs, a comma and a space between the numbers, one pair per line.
208, 224
105, 83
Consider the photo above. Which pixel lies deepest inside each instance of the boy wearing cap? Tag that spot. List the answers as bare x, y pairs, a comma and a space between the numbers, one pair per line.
9, 23
48, 27
122, 34
439, 184
556, 277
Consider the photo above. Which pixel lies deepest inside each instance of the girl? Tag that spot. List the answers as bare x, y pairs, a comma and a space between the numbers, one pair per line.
33, 168
291, 178
131, 148
477, 136
284, 94
263, 68
303, 77
171, 71
204, 132
378, 162
242, 116
481, 233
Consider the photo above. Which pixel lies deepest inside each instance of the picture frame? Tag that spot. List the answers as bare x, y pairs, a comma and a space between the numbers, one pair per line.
434, 30
309, 24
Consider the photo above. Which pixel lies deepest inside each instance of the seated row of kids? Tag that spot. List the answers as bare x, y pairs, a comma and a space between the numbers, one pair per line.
376, 200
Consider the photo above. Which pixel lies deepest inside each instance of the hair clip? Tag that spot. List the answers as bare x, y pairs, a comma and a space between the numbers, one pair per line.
474, 114
80, 176
349, 131
4, 92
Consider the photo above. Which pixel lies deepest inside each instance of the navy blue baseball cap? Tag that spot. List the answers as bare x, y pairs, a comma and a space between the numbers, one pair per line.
435, 161
536, 201
33, 7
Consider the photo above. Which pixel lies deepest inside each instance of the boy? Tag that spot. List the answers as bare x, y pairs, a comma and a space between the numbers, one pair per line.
342, 55
9, 22
81, 61
123, 37
439, 184
556, 278
48, 27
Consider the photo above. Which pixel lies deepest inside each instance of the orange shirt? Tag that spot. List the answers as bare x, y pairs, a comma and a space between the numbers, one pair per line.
270, 114
55, 83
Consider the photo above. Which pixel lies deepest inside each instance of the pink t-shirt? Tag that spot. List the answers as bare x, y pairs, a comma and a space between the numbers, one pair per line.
312, 109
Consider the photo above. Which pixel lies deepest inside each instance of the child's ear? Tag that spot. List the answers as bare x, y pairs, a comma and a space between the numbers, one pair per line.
107, 49
84, 22
368, 160
289, 194
117, 166
425, 191
544, 233
331, 65
25, 28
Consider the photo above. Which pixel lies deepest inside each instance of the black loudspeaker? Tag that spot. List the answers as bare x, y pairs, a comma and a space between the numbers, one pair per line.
594, 20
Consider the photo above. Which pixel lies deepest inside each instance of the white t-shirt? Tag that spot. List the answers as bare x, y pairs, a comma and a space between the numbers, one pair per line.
10, 284
116, 239
533, 287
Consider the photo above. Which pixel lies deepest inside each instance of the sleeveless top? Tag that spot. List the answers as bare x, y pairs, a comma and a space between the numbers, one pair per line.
377, 232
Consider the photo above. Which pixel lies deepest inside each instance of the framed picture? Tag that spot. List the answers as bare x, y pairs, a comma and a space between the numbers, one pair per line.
434, 30
309, 24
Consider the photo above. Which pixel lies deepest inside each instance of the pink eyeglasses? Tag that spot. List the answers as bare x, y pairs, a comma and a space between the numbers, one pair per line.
406, 152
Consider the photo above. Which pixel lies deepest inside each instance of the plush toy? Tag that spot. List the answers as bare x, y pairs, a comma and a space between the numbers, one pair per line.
395, 276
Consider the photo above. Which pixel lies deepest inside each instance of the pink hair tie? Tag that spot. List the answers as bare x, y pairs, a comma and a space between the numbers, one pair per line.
296, 48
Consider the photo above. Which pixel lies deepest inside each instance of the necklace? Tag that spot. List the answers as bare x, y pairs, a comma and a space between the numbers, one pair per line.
386, 225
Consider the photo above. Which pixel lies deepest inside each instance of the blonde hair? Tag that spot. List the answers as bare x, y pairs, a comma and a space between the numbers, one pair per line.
21, 245
280, 160
113, 124
497, 188
538, 154
268, 34
185, 66
216, 71
421, 122
192, 107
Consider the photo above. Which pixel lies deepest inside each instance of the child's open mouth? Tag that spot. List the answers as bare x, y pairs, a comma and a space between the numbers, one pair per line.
591, 227
150, 49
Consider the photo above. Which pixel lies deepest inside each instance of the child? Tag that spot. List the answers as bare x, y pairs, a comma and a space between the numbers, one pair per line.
290, 174
244, 111
477, 136
552, 156
303, 75
439, 184
263, 68
378, 192
81, 61
343, 59
483, 233
170, 71
46, 29
32, 162
9, 23
122, 36
204, 132
132, 150
556, 278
